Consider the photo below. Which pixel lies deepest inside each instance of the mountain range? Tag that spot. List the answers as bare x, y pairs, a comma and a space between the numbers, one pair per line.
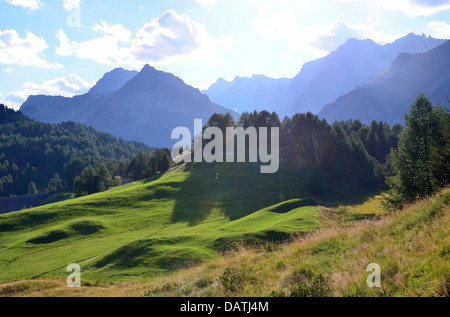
359, 80
248, 94
390, 93
144, 106
320, 81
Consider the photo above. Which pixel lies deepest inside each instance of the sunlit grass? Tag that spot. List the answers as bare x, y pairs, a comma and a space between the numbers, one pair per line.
411, 247
146, 228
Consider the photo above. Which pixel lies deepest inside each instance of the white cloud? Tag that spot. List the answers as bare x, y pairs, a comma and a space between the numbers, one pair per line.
207, 3
64, 48
8, 70
115, 30
170, 38
283, 27
440, 29
105, 49
28, 4
70, 5
316, 40
67, 86
177, 38
411, 8
26, 51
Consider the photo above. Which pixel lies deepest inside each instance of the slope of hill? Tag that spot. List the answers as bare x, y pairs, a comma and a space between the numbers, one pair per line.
145, 109
248, 94
153, 226
389, 94
411, 247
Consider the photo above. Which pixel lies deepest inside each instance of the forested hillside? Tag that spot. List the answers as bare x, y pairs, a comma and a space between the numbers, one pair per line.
37, 156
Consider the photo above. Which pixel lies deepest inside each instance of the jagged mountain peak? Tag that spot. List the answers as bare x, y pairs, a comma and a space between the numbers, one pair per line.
112, 81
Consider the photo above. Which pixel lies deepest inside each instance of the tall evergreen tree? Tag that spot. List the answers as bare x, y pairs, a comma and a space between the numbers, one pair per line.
418, 143
164, 162
104, 178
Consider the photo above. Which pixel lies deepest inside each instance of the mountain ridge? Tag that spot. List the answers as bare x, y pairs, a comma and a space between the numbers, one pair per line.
392, 91
342, 70
112, 80
323, 80
145, 108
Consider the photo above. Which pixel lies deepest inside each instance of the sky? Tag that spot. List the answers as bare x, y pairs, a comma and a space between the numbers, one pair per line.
63, 47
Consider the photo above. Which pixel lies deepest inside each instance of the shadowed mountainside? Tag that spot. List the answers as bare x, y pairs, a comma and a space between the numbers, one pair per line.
145, 109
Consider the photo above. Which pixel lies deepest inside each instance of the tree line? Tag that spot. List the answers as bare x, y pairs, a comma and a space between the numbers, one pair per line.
42, 157
345, 155
414, 160
143, 165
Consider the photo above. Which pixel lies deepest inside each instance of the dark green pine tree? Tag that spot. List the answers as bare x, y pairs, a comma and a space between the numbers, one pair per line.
164, 162
89, 180
418, 141
104, 178
440, 156
138, 165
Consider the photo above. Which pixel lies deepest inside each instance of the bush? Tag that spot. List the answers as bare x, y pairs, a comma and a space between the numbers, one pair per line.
233, 279
309, 284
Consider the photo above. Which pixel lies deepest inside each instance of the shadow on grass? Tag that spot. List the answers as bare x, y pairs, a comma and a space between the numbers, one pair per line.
350, 196
153, 178
237, 189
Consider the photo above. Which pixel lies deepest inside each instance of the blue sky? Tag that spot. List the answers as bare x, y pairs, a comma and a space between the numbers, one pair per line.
62, 47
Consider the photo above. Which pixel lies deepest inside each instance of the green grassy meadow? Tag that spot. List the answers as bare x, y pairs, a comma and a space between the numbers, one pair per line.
153, 227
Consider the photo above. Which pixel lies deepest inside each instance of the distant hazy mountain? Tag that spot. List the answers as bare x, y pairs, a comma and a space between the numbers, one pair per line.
389, 94
322, 81
248, 94
146, 108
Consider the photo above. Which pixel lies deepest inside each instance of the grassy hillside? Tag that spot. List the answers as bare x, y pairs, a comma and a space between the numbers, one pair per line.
411, 247
155, 226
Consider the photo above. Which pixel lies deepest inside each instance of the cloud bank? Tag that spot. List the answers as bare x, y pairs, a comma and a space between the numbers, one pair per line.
27, 51
170, 38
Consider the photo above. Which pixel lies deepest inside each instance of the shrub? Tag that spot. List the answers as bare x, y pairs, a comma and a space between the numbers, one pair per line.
233, 279
309, 284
